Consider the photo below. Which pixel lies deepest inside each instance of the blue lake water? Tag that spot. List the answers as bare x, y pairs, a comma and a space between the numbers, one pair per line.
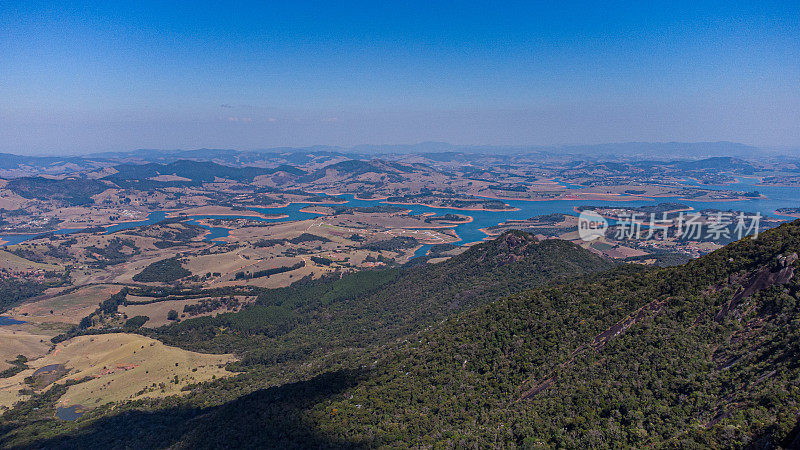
9, 321
154, 217
777, 197
70, 413
215, 233
48, 368
422, 251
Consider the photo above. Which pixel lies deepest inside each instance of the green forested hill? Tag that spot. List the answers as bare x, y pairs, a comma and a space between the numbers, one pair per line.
701, 355
705, 354
71, 191
370, 308
196, 171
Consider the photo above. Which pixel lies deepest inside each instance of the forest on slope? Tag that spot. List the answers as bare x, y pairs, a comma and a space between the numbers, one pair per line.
704, 354
368, 308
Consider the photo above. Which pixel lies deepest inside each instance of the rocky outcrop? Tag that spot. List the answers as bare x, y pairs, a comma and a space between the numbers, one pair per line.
508, 248
750, 283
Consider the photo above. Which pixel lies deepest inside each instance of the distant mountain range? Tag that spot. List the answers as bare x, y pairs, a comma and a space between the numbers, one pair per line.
197, 171
19, 165
636, 149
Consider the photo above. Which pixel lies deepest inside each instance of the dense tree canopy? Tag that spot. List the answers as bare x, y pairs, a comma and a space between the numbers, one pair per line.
471, 353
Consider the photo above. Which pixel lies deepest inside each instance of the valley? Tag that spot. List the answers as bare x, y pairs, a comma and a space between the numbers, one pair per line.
151, 286
399, 225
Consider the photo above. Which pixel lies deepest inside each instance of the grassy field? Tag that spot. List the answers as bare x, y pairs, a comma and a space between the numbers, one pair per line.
13, 262
68, 308
17, 342
120, 367
157, 312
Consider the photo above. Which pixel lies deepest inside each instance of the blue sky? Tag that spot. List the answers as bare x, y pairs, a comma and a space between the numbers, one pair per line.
81, 77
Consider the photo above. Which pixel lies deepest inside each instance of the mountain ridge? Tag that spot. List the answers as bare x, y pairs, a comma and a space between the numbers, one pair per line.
634, 357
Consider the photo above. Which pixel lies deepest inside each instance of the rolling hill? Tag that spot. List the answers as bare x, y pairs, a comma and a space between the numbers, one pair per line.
195, 171
700, 355
71, 191
315, 317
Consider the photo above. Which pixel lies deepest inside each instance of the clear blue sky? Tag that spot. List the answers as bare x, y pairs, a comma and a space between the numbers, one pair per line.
80, 77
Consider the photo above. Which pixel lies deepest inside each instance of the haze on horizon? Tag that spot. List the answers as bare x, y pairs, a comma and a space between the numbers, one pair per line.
82, 77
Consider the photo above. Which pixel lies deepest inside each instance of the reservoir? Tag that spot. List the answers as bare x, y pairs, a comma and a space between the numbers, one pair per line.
9, 321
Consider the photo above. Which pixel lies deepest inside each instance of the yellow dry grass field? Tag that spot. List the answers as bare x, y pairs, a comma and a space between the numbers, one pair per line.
157, 312
9, 200
15, 263
279, 230
67, 308
277, 280
227, 264
17, 342
119, 367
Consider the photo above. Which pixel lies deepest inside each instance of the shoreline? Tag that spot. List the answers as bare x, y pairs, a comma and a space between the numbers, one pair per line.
690, 208
450, 207
305, 210
203, 220
576, 197
356, 197
217, 211
445, 224
431, 241
470, 219
383, 200
487, 233
596, 196
725, 200
288, 204
429, 227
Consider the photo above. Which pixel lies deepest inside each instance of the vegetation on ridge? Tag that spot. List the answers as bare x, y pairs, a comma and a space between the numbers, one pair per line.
704, 354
